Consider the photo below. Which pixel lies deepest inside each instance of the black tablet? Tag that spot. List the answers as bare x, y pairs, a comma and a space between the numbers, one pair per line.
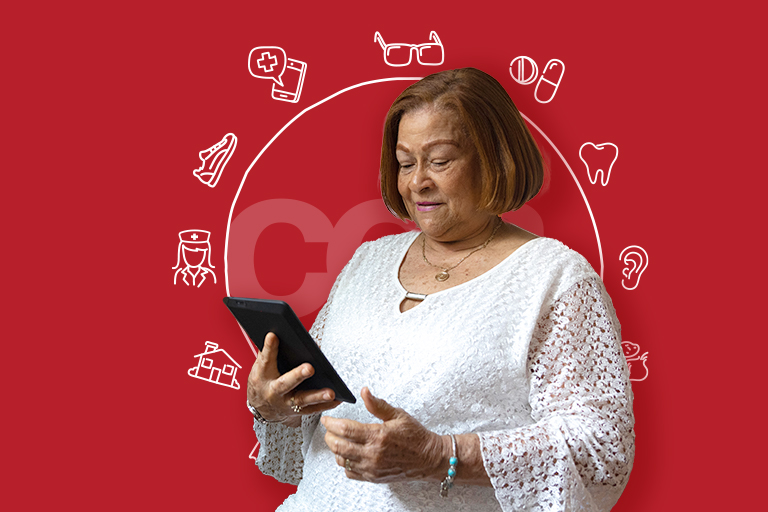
259, 317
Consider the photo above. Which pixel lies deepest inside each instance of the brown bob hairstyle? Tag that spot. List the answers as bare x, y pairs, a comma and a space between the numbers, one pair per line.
510, 162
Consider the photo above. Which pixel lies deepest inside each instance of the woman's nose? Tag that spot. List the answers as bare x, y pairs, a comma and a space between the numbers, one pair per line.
420, 179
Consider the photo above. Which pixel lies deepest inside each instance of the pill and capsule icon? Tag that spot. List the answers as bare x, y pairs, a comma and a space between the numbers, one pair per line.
523, 70
549, 81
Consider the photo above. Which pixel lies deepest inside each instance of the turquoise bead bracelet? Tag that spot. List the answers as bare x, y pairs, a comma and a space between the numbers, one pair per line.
453, 461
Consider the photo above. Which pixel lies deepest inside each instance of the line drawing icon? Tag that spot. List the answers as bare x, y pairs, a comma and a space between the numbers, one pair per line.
604, 176
632, 355
194, 248
215, 159
551, 76
253, 454
523, 70
636, 261
400, 54
271, 63
215, 365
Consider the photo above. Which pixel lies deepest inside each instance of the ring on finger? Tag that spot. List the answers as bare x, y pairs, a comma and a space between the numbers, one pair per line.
347, 465
296, 408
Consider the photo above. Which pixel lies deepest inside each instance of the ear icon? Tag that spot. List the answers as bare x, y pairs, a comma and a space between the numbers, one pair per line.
635, 262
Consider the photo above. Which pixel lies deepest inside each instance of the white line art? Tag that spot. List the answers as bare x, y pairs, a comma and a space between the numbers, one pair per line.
271, 63
193, 248
523, 70
551, 77
399, 54
215, 365
363, 84
636, 261
578, 185
632, 355
214, 159
604, 176
253, 455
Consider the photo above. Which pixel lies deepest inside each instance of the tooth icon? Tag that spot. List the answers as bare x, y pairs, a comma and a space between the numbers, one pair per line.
215, 159
606, 150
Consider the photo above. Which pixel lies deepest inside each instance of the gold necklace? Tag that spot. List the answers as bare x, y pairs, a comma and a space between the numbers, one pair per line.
444, 275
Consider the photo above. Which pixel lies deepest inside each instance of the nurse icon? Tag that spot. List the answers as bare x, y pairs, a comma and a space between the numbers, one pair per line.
194, 249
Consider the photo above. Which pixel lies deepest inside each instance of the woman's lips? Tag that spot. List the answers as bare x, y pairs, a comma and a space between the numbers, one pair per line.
426, 206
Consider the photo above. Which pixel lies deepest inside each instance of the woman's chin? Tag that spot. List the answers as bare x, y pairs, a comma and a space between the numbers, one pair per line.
432, 230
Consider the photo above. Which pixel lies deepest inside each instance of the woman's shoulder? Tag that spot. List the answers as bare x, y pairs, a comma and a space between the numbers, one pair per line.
377, 254
387, 244
552, 257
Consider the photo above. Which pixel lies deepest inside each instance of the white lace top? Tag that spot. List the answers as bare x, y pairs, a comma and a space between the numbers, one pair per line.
527, 356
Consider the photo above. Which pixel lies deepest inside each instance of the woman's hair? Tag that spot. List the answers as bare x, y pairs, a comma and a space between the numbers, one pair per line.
510, 162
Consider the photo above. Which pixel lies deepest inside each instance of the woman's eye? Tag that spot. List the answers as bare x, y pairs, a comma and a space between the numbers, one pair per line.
439, 162
405, 167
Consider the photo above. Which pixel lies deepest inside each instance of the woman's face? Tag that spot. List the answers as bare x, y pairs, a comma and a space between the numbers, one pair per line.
193, 257
439, 175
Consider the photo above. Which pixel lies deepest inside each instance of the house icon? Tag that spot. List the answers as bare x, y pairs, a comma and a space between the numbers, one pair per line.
215, 365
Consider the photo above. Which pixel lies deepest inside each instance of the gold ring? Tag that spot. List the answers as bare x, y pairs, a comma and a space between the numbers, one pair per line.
347, 466
296, 408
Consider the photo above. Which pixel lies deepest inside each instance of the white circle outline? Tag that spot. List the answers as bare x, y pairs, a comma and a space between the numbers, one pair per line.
535, 68
361, 84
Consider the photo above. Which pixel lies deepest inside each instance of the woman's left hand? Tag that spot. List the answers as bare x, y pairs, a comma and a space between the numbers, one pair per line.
398, 449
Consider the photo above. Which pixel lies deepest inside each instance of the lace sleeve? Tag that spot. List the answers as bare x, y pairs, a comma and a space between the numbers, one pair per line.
282, 449
579, 453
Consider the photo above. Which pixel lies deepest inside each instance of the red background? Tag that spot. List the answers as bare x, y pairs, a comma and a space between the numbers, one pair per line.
106, 108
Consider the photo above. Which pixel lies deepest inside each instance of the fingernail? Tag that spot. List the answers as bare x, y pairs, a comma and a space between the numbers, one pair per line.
327, 396
305, 372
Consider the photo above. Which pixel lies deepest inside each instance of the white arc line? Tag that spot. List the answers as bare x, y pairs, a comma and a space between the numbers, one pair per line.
581, 191
289, 123
361, 84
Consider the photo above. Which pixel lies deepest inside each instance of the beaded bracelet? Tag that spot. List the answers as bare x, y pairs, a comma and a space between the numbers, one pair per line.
448, 482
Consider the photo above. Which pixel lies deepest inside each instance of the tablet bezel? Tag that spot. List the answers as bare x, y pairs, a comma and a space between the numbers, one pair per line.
296, 345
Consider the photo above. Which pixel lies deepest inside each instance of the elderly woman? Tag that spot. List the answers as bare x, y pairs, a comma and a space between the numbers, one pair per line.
494, 354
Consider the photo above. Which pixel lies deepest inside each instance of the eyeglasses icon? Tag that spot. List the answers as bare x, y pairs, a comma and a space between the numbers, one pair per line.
399, 54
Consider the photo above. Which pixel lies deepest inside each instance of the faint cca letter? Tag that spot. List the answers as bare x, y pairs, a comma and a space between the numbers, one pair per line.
342, 240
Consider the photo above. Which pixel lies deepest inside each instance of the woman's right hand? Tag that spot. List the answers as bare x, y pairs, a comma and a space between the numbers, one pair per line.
270, 393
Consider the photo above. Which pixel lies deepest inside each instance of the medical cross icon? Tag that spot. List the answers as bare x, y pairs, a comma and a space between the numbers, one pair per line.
287, 75
267, 66
193, 258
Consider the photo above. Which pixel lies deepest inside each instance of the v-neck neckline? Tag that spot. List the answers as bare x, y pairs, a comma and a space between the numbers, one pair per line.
402, 291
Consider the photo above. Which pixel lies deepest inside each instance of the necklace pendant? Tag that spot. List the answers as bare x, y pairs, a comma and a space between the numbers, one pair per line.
442, 276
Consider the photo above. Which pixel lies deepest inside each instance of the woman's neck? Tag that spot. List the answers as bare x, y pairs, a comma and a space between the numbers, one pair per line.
465, 242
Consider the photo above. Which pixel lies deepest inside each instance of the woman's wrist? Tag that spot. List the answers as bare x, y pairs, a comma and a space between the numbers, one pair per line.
453, 461
256, 414
292, 421
268, 421
440, 463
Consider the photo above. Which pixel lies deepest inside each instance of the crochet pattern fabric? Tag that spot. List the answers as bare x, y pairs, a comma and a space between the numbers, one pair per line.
527, 356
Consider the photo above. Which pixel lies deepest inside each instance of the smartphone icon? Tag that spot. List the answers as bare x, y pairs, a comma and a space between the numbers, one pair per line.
293, 80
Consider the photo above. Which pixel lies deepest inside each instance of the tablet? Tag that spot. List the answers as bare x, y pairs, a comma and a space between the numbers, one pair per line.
258, 317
